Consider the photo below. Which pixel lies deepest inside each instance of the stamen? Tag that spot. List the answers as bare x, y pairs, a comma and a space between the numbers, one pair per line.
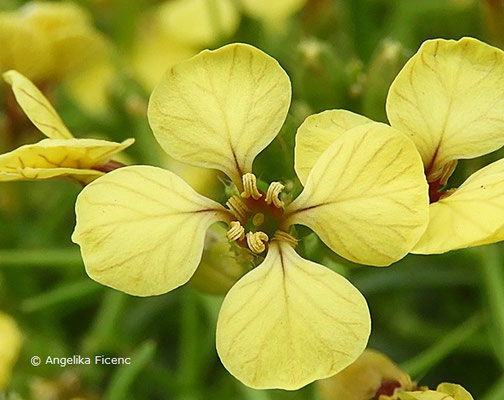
239, 209
256, 241
236, 231
285, 237
273, 194
258, 219
250, 187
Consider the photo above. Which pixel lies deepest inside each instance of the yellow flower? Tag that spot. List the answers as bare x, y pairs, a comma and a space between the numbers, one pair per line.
47, 41
444, 391
289, 321
10, 343
61, 155
369, 377
449, 99
374, 377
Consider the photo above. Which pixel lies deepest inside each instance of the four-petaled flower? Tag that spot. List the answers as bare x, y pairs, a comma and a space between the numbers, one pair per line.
449, 99
289, 321
59, 156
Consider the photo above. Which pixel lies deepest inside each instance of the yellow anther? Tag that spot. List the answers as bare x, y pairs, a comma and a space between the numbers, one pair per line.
250, 187
258, 219
238, 208
272, 196
256, 241
285, 237
236, 231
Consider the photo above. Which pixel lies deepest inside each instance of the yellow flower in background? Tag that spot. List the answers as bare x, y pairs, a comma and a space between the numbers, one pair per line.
176, 30
54, 41
289, 321
449, 100
444, 391
48, 41
10, 344
374, 377
59, 156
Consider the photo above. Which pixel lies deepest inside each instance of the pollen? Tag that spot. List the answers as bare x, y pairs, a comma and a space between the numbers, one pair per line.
255, 241
236, 231
250, 187
272, 196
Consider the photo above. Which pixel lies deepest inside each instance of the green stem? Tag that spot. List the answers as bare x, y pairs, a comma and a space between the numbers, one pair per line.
43, 258
493, 281
422, 363
125, 375
60, 295
106, 321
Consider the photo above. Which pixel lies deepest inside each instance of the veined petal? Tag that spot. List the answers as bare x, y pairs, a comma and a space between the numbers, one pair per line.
36, 106
366, 196
289, 322
317, 133
82, 176
15, 36
198, 22
10, 344
424, 395
449, 99
471, 216
456, 391
272, 10
444, 391
62, 153
141, 229
220, 108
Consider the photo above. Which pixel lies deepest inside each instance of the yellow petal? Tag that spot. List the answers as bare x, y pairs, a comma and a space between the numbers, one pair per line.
456, 391
363, 378
471, 216
36, 107
366, 197
269, 11
82, 176
141, 229
317, 133
52, 16
424, 395
289, 322
198, 22
16, 36
449, 100
50, 158
220, 108
10, 344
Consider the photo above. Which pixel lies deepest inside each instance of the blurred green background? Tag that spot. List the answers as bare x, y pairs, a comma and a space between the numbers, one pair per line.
440, 317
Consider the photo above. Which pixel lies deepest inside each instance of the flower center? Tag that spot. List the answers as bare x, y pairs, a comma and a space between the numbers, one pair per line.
258, 216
